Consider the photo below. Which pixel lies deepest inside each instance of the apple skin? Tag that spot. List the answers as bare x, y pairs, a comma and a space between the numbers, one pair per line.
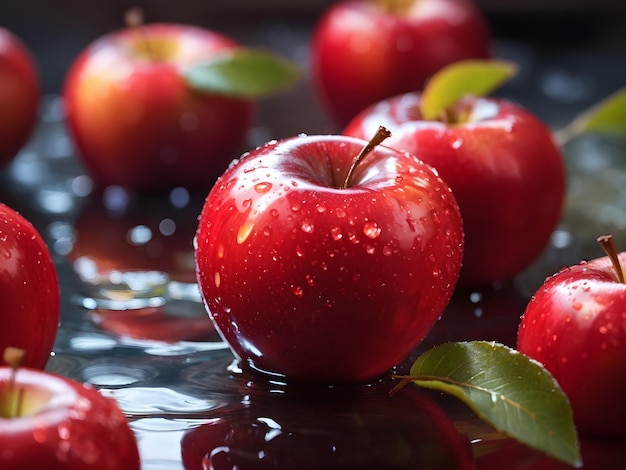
19, 95
30, 300
135, 121
505, 170
330, 428
575, 326
319, 283
70, 426
361, 53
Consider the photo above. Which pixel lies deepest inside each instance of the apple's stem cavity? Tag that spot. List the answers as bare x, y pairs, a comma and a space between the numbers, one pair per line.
608, 245
134, 19
381, 134
395, 7
11, 404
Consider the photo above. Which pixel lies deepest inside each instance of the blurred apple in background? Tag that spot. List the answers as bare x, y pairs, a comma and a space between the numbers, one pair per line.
501, 161
29, 287
139, 117
19, 95
366, 50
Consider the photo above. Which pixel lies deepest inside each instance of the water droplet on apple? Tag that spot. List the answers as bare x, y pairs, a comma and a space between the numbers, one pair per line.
244, 232
321, 208
274, 213
307, 226
262, 187
353, 238
340, 213
456, 143
299, 251
369, 249
387, 250
295, 207
577, 306
371, 230
297, 291
267, 231
309, 280
335, 232
434, 216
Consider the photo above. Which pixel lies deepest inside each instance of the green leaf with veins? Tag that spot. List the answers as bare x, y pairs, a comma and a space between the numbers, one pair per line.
243, 73
463, 78
508, 390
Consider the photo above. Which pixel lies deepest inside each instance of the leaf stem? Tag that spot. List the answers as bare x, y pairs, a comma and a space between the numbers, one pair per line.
14, 357
381, 134
134, 19
608, 245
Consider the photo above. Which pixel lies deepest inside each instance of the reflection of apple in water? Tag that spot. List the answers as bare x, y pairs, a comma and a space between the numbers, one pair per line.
116, 233
29, 290
365, 51
135, 120
597, 454
19, 95
319, 274
48, 421
330, 428
165, 323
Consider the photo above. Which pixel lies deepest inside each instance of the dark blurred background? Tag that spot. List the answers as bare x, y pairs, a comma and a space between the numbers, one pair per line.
57, 30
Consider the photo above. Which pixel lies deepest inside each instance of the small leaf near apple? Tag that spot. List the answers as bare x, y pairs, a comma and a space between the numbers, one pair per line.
460, 79
242, 72
508, 390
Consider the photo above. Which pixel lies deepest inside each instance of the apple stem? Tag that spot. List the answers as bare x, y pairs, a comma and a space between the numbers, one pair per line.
608, 245
14, 357
381, 134
134, 19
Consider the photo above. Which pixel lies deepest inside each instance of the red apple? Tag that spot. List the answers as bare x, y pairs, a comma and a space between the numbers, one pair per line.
503, 165
317, 280
19, 95
136, 121
49, 421
366, 50
30, 300
329, 428
575, 326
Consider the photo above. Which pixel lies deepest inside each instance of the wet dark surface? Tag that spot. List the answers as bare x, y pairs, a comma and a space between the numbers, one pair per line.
132, 323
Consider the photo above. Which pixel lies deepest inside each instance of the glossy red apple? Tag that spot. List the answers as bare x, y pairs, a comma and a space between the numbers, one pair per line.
30, 300
366, 50
134, 118
49, 421
575, 326
330, 428
19, 95
503, 165
320, 281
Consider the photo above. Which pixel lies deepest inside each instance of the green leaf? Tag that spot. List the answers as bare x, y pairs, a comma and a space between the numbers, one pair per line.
462, 78
511, 392
244, 73
607, 117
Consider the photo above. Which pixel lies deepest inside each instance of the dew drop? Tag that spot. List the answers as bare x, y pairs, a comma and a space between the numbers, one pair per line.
244, 232
295, 207
309, 280
335, 232
387, 250
297, 291
371, 230
299, 252
217, 279
434, 216
577, 306
340, 213
220, 251
369, 249
307, 226
274, 213
456, 143
262, 187
321, 208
